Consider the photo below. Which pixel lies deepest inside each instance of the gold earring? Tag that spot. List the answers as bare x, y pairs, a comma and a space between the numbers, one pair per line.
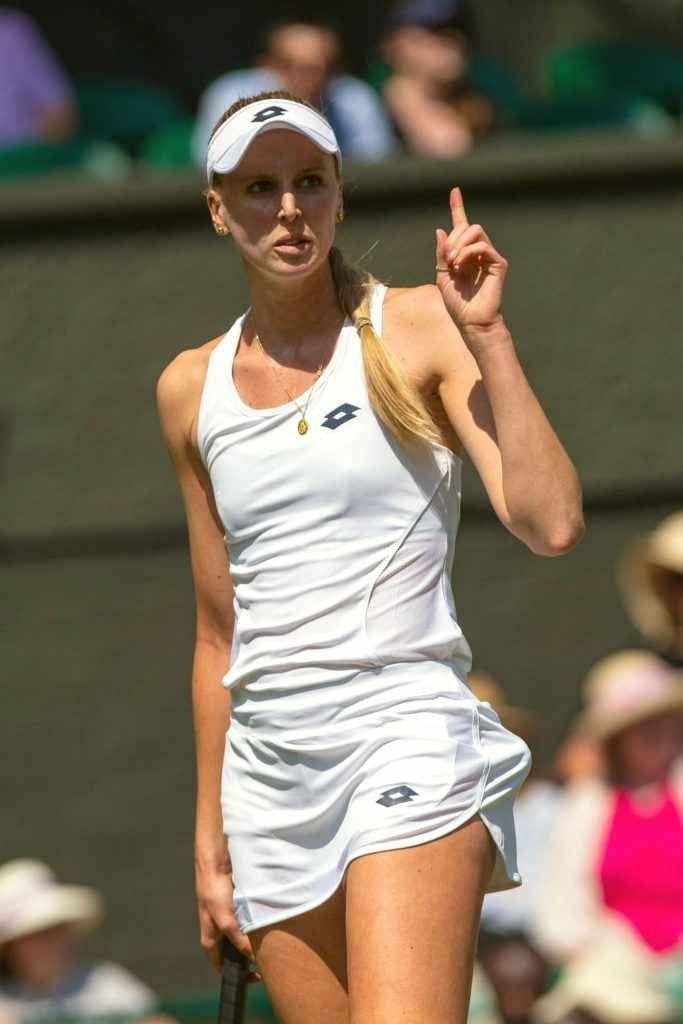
340, 215
221, 230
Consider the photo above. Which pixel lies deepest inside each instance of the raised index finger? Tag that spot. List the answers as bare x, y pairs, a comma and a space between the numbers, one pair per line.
458, 210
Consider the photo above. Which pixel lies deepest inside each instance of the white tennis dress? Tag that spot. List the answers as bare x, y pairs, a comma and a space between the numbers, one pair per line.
352, 727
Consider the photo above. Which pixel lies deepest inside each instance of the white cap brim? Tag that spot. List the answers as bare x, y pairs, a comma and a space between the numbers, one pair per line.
231, 141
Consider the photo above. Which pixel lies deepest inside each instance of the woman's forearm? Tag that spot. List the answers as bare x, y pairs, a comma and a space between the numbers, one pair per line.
541, 487
211, 714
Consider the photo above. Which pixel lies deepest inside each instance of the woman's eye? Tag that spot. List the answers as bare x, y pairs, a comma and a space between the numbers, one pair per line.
262, 185
259, 186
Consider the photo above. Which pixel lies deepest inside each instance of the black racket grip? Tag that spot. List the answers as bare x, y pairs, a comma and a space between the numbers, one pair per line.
234, 973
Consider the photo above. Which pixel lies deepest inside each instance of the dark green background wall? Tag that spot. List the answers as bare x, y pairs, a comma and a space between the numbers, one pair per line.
102, 285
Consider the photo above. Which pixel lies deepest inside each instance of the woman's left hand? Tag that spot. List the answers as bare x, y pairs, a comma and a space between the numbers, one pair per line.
471, 286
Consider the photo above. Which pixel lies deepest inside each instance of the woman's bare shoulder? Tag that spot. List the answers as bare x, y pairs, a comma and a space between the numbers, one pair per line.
419, 302
179, 388
186, 371
416, 326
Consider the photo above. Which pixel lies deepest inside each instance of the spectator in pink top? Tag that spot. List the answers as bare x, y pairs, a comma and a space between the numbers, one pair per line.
36, 104
613, 892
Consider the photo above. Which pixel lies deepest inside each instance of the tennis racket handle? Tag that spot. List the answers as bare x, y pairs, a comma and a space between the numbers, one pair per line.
234, 973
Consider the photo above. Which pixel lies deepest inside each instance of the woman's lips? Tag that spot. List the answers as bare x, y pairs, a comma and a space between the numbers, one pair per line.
293, 245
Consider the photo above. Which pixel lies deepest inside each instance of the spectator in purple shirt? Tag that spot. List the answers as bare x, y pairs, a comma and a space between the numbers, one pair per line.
36, 103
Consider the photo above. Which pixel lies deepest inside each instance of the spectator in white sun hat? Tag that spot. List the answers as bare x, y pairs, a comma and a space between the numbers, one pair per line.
613, 890
42, 975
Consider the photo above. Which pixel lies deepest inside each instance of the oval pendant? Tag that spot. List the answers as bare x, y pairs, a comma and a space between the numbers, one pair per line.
303, 426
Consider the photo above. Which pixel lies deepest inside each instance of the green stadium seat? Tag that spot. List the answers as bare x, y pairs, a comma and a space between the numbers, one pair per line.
516, 109
599, 71
201, 1007
259, 1009
124, 112
40, 157
634, 116
169, 147
377, 73
491, 78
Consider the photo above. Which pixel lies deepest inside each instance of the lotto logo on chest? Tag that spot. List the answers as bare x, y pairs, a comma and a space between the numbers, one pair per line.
341, 415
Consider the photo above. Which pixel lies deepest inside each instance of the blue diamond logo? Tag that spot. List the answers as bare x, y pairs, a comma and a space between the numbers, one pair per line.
396, 795
342, 414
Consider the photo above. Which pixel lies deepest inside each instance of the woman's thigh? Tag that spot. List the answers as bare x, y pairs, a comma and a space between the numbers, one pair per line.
303, 964
412, 917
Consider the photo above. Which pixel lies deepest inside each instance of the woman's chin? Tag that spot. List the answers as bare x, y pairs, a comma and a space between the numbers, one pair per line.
294, 263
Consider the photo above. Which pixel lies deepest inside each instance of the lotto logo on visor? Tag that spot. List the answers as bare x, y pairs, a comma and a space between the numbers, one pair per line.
231, 141
265, 115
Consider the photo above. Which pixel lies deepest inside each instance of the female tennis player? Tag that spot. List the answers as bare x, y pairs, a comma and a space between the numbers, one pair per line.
362, 805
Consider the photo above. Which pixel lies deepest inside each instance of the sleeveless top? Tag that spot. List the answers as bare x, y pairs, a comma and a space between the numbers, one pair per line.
340, 543
641, 869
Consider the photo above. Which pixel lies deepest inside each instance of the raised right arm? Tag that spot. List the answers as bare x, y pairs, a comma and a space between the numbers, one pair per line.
178, 395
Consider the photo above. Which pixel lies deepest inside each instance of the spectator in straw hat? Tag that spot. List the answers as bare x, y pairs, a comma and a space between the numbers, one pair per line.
41, 973
613, 889
650, 575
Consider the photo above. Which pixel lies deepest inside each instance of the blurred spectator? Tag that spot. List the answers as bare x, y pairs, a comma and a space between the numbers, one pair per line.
613, 891
535, 812
650, 575
36, 104
425, 45
41, 973
578, 757
304, 57
516, 971
612, 982
483, 1008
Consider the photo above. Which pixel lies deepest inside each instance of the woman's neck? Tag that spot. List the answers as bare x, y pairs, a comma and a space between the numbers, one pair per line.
291, 317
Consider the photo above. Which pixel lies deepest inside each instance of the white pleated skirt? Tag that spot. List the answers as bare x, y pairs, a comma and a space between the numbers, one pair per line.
410, 755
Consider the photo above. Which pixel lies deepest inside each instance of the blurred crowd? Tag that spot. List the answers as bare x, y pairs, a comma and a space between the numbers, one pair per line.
426, 88
594, 935
44, 975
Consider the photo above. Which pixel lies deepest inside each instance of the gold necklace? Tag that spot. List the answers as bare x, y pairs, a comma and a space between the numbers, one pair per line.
302, 425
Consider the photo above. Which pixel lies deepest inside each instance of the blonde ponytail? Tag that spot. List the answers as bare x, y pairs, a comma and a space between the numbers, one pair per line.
397, 402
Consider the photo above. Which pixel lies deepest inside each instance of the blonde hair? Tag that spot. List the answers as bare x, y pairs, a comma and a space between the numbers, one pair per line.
395, 400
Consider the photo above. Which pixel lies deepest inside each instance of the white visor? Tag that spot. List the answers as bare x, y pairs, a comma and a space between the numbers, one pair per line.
230, 142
